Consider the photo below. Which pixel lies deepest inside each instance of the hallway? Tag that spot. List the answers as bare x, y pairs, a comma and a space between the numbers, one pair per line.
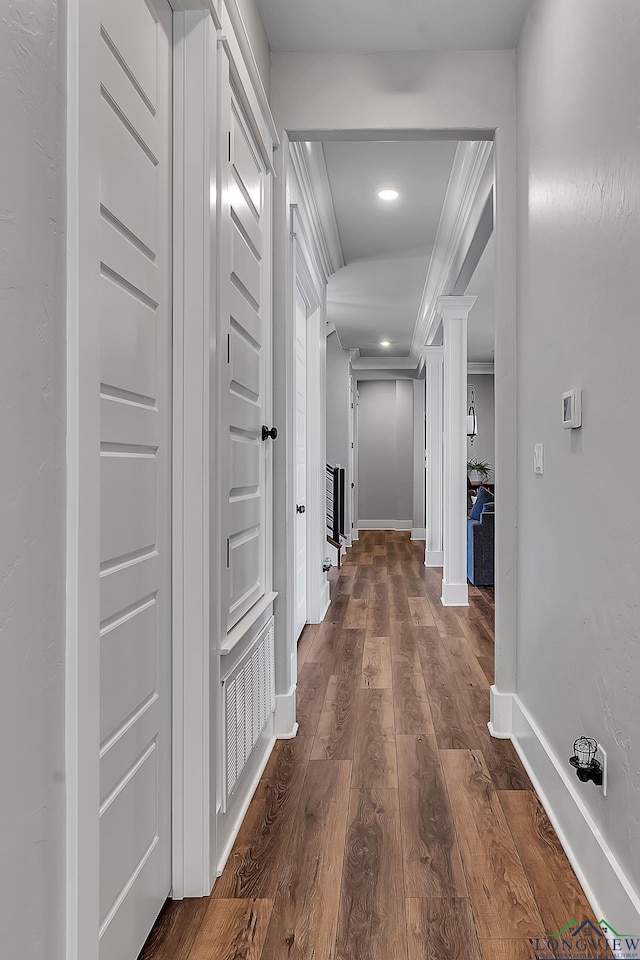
393, 826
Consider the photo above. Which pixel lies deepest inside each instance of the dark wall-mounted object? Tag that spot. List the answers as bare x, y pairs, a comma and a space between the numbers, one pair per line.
584, 760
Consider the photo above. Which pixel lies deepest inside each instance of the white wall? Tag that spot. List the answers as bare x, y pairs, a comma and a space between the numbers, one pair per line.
483, 447
385, 454
578, 655
32, 518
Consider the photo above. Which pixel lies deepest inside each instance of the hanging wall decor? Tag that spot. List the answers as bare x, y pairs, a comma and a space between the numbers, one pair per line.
472, 419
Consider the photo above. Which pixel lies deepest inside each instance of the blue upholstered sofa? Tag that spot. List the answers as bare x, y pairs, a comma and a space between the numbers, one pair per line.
480, 542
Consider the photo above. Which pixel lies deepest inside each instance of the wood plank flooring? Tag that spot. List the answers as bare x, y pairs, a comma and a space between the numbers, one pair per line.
393, 827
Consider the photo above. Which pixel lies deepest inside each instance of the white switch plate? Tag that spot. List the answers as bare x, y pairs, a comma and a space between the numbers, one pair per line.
538, 459
601, 755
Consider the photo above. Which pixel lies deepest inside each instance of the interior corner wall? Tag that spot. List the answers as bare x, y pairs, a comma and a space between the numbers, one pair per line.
484, 445
32, 481
385, 454
578, 640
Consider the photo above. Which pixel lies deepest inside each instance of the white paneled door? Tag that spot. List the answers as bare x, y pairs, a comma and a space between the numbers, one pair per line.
135, 548
301, 465
245, 292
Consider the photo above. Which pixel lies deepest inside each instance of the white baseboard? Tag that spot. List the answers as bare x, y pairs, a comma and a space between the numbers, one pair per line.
418, 533
501, 722
241, 804
325, 600
603, 879
434, 558
285, 725
384, 524
332, 553
455, 594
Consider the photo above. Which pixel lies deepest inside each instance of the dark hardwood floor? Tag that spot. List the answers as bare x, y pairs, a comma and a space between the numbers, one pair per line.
393, 827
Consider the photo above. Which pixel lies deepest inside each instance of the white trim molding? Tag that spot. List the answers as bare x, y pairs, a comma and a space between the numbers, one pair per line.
285, 725
500, 724
308, 163
243, 45
478, 368
454, 312
194, 704
454, 595
246, 82
82, 662
433, 360
468, 191
418, 533
359, 362
606, 885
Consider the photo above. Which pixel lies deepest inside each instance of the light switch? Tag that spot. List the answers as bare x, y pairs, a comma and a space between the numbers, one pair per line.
538, 459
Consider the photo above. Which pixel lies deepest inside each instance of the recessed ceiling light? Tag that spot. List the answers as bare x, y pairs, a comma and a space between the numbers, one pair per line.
388, 193
385, 343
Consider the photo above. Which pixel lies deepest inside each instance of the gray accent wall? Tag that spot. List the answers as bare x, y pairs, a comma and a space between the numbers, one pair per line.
484, 445
385, 454
578, 253
32, 480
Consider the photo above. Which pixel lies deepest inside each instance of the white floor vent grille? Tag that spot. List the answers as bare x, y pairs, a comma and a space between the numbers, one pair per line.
249, 700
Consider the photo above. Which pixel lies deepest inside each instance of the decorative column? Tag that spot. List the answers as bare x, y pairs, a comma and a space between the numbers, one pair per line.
434, 359
454, 312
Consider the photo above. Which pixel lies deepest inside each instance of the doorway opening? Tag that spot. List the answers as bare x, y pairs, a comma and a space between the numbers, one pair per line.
385, 264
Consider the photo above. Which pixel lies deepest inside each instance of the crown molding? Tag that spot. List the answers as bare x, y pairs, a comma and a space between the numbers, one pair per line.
242, 39
477, 367
469, 187
384, 363
307, 160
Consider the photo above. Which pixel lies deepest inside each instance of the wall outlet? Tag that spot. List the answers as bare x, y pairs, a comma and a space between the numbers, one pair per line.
601, 755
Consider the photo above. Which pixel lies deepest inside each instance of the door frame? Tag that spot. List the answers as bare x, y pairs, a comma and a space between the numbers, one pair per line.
198, 28
307, 279
353, 439
299, 291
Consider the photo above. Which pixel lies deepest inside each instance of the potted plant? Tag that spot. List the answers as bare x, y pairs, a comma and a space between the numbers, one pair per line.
478, 471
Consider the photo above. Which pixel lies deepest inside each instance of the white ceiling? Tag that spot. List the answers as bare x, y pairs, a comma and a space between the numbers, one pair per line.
370, 227
481, 325
333, 25
374, 300
386, 246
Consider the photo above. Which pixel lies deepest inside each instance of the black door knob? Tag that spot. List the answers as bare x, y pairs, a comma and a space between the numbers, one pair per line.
300, 508
273, 433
